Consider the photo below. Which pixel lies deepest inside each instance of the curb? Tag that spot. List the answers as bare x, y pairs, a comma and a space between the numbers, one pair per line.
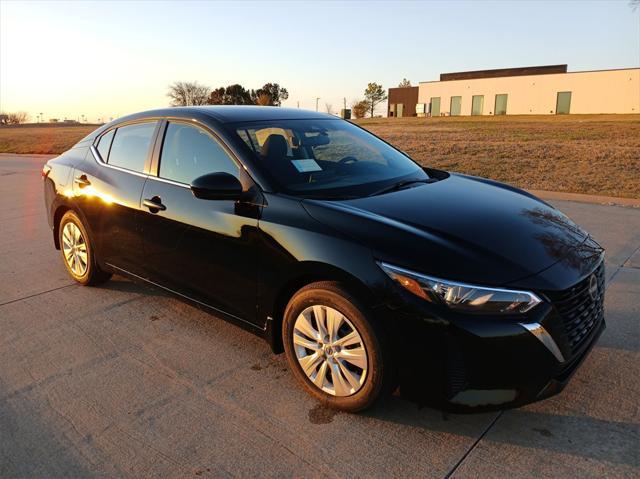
581, 198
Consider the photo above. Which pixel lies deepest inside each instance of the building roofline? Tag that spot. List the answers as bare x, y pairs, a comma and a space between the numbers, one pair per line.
535, 74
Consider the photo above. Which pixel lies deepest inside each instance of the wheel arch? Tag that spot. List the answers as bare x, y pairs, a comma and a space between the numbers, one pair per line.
57, 218
309, 272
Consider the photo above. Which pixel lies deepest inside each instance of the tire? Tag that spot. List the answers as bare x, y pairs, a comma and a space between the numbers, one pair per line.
344, 371
77, 251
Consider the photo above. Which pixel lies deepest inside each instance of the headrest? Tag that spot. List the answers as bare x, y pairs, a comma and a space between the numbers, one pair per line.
275, 147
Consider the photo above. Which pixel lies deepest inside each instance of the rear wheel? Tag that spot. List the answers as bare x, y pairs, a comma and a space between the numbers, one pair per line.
334, 349
77, 251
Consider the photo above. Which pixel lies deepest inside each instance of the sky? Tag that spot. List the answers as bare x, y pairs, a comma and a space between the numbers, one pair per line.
107, 59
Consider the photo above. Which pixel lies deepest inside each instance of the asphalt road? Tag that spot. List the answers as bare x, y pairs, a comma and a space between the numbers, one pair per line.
124, 381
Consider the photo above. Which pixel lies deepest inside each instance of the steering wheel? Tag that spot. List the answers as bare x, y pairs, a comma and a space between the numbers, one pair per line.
348, 159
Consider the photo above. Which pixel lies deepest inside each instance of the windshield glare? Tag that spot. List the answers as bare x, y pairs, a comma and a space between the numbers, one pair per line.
326, 158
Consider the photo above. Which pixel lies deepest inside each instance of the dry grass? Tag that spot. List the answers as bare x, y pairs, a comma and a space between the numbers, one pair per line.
593, 154
41, 139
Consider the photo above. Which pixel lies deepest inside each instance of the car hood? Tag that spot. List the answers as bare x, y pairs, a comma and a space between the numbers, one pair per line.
462, 228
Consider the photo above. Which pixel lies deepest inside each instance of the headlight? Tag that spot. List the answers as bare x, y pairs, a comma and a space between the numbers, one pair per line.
467, 298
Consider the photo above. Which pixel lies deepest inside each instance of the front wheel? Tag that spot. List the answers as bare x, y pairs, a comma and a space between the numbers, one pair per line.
334, 349
77, 251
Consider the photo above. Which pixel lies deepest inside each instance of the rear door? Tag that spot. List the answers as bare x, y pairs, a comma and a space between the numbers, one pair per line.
203, 249
108, 186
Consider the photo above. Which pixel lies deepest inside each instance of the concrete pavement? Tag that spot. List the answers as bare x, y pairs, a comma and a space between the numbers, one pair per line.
124, 381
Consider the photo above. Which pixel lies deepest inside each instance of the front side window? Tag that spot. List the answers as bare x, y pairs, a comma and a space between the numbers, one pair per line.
130, 146
325, 157
189, 152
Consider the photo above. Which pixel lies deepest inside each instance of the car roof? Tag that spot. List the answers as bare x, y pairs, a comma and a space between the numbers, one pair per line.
234, 113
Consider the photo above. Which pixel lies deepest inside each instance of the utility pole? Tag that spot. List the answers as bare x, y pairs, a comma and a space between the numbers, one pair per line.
41, 117
298, 103
344, 101
317, 103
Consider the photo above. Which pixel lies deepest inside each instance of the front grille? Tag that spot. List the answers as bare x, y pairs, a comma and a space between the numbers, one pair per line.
580, 312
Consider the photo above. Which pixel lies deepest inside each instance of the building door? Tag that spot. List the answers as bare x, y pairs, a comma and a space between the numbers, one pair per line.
456, 106
477, 104
399, 109
392, 109
501, 104
435, 106
563, 103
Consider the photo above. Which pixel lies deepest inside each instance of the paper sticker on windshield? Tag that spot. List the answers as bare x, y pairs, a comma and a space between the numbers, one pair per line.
306, 166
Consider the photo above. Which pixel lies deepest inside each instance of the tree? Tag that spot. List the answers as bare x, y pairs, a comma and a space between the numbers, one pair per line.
329, 108
216, 97
234, 94
374, 95
188, 94
16, 118
359, 108
404, 83
275, 92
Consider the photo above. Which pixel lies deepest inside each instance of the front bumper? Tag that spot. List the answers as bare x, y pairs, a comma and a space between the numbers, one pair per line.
468, 364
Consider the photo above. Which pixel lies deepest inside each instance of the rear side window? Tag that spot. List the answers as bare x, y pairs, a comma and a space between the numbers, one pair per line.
105, 144
130, 146
189, 152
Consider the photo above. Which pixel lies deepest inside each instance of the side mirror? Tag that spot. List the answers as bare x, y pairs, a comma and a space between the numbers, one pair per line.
217, 186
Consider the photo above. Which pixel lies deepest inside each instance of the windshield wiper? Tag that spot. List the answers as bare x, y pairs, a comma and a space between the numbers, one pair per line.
402, 184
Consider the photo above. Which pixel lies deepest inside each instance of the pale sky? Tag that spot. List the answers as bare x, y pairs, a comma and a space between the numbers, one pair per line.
107, 59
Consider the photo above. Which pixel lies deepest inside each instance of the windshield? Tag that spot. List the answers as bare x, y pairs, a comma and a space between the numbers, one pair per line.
326, 158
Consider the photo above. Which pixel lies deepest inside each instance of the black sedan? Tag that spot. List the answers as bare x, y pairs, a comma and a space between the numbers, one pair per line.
368, 271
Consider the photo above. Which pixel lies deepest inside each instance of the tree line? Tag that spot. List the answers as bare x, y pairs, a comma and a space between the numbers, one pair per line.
193, 94
271, 94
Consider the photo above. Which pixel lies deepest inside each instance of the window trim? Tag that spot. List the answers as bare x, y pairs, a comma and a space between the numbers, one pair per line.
147, 163
154, 170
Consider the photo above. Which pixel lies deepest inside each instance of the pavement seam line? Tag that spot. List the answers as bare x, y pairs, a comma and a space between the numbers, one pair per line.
36, 294
484, 433
473, 446
629, 257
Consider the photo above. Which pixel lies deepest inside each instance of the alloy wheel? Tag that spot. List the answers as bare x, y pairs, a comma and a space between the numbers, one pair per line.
74, 248
330, 350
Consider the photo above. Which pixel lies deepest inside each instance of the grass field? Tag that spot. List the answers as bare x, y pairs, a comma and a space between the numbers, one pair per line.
41, 139
593, 154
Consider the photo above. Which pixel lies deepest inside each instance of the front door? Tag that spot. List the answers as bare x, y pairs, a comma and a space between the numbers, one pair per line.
203, 249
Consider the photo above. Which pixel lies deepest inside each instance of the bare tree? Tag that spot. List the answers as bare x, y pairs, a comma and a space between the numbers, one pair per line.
188, 94
404, 83
17, 118
329, 108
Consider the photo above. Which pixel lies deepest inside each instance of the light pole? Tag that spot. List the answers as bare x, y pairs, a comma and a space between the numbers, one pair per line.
317, 103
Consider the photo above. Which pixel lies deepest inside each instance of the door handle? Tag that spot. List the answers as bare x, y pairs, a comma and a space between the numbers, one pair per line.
82, 181
154, 203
